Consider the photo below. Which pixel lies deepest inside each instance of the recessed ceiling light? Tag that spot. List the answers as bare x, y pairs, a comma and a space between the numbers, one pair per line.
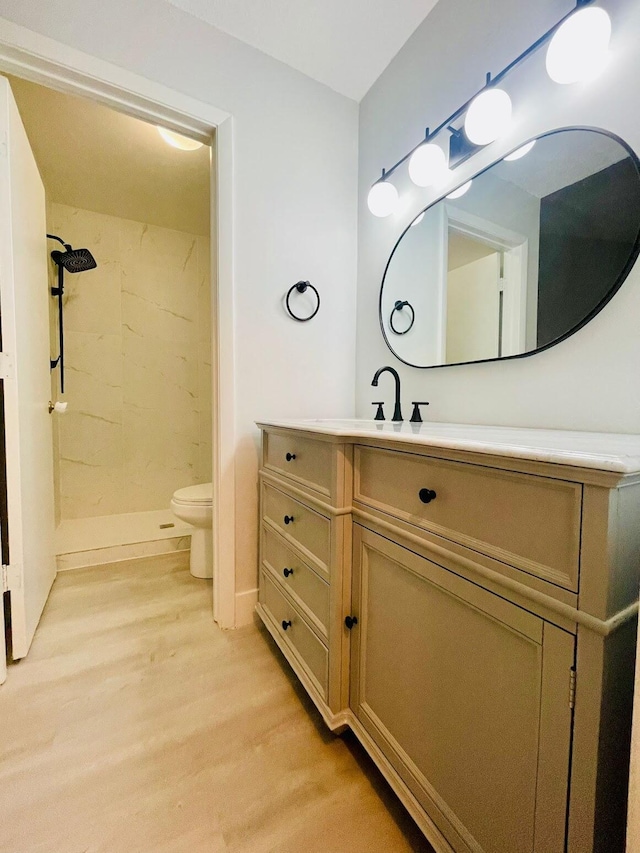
184, 143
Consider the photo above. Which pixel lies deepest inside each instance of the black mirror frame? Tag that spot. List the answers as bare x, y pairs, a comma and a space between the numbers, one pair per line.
587, 319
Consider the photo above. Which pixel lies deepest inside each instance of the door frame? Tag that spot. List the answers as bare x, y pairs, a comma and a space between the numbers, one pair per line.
40, 59
516, 253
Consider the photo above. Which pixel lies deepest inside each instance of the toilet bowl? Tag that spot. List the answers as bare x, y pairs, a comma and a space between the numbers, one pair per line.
193, 504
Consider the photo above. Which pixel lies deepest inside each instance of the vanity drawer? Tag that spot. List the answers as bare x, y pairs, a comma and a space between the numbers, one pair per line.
304, 527
310, 592
310, 650
530, 522
302, 459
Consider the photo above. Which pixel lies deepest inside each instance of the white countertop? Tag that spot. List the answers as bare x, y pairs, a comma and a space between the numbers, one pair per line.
601, 450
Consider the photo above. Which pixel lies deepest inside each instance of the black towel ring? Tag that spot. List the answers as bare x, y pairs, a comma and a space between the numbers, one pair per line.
398, 307
301, 287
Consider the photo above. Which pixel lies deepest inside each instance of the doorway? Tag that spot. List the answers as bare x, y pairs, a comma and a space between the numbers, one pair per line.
27, 55
487, 289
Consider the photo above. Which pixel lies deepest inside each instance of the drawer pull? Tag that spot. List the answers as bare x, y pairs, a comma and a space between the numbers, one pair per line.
286, 624
287, 572
289, 518
427, 495
350, 621
290, 457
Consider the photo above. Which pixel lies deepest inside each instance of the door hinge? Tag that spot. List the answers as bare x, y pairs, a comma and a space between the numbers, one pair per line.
5, 366
572, 688
10, 578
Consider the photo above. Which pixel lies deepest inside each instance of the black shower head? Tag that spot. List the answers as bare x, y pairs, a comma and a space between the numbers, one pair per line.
74, 260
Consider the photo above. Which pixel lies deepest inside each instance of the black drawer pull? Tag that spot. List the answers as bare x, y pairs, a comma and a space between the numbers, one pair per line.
427, 495
286, 624
287, 572
290, 457
289, 518
350, 621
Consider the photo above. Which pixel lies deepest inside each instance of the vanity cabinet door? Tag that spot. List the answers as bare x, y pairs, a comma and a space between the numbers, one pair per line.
467, 697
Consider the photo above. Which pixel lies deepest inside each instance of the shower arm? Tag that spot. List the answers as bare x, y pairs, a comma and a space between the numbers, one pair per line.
60, 240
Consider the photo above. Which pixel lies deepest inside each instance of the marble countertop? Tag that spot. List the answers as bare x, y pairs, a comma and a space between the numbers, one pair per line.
604, 451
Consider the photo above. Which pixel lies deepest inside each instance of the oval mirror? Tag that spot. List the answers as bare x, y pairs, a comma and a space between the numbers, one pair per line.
533, 250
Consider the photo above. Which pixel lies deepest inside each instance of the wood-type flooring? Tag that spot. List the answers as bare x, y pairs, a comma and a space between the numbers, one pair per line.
136, 725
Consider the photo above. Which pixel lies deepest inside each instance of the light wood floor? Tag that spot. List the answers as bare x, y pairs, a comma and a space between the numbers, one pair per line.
136, 726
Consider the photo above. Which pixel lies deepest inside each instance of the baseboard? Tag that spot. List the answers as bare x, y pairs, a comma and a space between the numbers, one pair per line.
119, 553
245, 606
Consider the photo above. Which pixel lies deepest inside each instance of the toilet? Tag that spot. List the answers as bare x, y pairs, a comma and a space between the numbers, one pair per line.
193, 504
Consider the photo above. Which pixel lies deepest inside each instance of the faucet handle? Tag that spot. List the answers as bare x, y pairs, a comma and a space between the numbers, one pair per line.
416, 417
379, 413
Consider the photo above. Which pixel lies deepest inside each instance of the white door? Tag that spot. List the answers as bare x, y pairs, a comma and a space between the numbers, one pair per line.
24, 311
473, 310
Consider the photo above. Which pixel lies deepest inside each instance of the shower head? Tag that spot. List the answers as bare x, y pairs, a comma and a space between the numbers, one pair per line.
74, 260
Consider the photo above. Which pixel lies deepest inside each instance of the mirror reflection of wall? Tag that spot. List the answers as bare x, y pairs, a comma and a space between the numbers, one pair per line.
535, 247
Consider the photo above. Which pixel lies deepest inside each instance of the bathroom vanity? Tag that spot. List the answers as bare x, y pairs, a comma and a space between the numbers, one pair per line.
465, 599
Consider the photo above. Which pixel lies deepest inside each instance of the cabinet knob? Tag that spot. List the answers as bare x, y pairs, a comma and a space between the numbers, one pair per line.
427, 495
290, 457
289, 518
350, 621
286, 624
287, 572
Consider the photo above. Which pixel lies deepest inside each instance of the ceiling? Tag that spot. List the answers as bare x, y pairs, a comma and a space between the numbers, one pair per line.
561, 159
345, 44
95, 158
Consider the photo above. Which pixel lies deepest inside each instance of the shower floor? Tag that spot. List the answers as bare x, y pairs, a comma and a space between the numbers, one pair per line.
82, 542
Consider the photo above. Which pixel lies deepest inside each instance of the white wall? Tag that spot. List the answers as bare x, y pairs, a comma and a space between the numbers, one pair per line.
588, 382
295, 166
137, 365
416, 275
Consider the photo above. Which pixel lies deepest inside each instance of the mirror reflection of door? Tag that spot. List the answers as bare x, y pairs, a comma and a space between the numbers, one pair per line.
487, 284
566, 220
474, 299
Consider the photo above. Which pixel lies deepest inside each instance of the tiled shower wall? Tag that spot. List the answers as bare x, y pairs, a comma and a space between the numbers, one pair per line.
137, 366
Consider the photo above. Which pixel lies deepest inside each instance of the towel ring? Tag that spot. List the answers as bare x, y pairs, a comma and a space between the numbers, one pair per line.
301, 287
398, 307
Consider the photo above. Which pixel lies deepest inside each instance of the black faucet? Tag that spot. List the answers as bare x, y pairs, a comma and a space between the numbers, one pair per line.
397, 412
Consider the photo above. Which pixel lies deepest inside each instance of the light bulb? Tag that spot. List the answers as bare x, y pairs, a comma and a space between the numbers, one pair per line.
427, 165
520, 152
460, 191
579, 48
383, 198
488, 116
418, 219
178, 140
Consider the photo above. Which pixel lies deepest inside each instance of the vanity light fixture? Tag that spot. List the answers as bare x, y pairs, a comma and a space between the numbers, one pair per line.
580, 47
428, 165
488, 117
383, 198
461, 190
578, 50
520, 152
177, 140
